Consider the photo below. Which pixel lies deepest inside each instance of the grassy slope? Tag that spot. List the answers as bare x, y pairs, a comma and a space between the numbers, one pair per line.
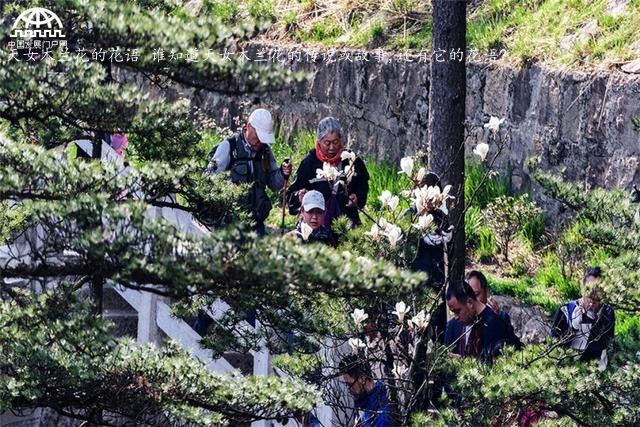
569, 33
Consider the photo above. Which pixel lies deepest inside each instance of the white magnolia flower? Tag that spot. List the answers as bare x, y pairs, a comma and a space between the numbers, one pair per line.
327, 172
481, 150
384, 198
383, 223
394, 234
421, 174
420, 320
636, 217
494, 124
424, 221
359, 316
406, 164
400, 370
426, 198
305, 231
374, 233
348, 155
401, 310
393, 203
356, 344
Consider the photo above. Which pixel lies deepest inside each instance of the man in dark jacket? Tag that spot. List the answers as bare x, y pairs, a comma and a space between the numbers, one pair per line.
345, 185
248, 158
476, 330
587, 324
480, 286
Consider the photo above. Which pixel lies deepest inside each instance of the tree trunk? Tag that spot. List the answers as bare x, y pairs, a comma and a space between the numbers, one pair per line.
447, 114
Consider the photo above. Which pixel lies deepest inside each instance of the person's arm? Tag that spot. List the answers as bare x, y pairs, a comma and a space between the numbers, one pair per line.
494, 339
601, 333
219, 161
276, 179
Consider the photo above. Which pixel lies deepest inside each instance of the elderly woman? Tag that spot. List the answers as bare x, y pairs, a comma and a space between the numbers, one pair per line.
341, 198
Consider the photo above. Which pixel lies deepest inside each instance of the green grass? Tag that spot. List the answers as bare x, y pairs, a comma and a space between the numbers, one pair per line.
414, 39
532, 232
261, 9
369, 36
549, 31
383, 175
526, 290
486, 245
325, 31
479, 188
226, 10
550, 275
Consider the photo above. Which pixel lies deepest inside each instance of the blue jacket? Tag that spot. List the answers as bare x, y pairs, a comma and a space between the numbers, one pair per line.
375, 405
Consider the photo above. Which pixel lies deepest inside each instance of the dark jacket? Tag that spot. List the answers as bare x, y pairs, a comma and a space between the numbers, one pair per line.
430, 254
511, 337
487, 337
306, 179
319, 235
602, 329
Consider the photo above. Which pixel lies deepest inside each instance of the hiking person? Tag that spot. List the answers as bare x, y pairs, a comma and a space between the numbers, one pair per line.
480, 286
475, 330
344, 182
248, 157
370, 396
311, 228
586, 324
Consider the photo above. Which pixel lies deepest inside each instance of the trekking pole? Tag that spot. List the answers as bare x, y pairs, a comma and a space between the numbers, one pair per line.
284, 199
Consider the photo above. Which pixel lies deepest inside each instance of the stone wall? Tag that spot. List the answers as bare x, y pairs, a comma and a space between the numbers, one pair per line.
582, 122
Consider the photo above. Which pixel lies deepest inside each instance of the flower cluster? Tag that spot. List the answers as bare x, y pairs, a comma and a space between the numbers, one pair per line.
418, 323
427, 199
384, 228
328, 172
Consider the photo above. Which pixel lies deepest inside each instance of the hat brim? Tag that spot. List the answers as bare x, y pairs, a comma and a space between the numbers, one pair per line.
310, 206
265, 137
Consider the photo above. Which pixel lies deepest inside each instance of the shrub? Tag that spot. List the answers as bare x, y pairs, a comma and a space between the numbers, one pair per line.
261, 9
226, 10
505, 216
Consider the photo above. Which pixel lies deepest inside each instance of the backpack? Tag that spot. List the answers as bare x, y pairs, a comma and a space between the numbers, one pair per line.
233, 150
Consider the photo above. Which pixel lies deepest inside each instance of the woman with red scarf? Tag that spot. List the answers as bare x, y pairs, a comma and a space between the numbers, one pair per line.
345, 195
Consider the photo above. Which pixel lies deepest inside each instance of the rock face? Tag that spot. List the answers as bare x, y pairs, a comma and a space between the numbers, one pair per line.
584, 124
530, 324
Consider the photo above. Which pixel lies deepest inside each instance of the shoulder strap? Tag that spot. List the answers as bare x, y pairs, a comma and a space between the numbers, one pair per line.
571, 306
234, 141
